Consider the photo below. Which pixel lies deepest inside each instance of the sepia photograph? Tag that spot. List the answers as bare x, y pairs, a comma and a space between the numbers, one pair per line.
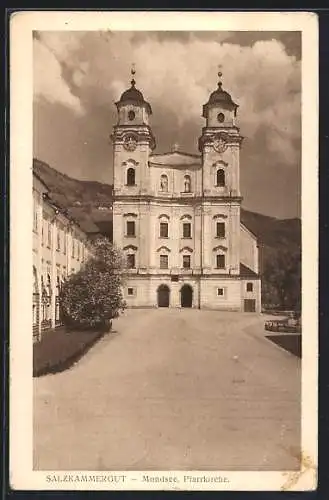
167, 325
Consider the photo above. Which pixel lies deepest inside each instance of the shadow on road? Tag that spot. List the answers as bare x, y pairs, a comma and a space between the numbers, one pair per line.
291, 343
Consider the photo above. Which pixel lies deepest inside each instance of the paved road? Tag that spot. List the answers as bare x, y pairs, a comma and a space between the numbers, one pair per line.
173, 389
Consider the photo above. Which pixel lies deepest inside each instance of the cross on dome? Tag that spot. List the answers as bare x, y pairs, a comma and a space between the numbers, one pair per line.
133, 95
133, 73
220, 74
175, 147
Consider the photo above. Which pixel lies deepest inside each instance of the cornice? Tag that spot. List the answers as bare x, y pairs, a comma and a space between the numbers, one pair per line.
142, 133
210, 134
182, 200
191, 274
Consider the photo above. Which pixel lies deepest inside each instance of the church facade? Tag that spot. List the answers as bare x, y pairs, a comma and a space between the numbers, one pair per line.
176, 216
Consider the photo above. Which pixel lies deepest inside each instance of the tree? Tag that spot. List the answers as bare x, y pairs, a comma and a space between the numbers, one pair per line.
92, 297
282, 278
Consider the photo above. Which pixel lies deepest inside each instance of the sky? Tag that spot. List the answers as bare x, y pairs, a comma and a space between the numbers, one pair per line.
78, 76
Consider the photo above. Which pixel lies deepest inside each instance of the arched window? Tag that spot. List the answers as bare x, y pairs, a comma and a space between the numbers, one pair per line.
130, 176
220, 229
164, 183
220, 261
49, 290
163, 225
163, 229
220, 177
187, 184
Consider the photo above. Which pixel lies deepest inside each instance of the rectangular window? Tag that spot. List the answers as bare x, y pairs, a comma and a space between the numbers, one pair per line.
220, 292
220, 230
249, 287
130, 291
49, 235
64, 243
220, 261
186, 230
131, 261
58, 239
73, 247
130, 228
186, 261
78, 243
43, 233
163, 261
163, 230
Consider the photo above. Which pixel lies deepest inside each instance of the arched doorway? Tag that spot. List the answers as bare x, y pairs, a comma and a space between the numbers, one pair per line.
186, 296
163, 296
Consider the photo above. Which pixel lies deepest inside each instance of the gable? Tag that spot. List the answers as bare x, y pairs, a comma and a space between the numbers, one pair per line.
175, 159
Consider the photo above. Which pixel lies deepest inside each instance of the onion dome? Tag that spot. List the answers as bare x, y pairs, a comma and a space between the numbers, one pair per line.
219, 98
133, 96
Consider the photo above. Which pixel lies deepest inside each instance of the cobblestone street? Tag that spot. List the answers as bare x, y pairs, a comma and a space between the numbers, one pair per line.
173, 389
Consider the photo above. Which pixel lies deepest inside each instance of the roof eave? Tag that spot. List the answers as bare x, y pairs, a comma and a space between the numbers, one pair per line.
143, 104
231, 106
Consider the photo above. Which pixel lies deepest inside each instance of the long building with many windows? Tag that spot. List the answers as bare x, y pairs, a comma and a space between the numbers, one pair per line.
60, 247
177, 215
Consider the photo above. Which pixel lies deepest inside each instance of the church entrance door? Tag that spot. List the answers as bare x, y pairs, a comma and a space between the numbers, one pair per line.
163, 296
186, 296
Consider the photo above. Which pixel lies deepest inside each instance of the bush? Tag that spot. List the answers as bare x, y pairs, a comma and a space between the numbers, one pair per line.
92, 297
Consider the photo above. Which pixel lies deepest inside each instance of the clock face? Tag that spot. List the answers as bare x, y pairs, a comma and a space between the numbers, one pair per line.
130, 142
220, 145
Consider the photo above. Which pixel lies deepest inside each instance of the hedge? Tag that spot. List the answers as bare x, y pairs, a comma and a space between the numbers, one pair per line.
59, 349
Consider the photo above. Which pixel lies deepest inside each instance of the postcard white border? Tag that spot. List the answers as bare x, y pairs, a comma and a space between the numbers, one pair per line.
22, 24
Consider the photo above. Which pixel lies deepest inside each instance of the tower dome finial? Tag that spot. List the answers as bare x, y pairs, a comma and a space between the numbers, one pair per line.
133, 73
220, 74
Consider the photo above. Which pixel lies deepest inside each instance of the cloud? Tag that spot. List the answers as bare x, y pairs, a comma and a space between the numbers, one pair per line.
179, 77
88, 71
48, 81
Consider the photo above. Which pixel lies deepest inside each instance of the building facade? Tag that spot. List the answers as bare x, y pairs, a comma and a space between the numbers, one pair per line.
177, 215
60, 247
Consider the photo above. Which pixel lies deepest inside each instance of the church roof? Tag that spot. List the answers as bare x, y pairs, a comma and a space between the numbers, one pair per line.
246, 272
220, 96
132, 94
175, 159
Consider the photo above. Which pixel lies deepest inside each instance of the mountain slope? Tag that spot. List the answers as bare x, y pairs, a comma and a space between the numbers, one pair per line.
271, 231
88, 202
